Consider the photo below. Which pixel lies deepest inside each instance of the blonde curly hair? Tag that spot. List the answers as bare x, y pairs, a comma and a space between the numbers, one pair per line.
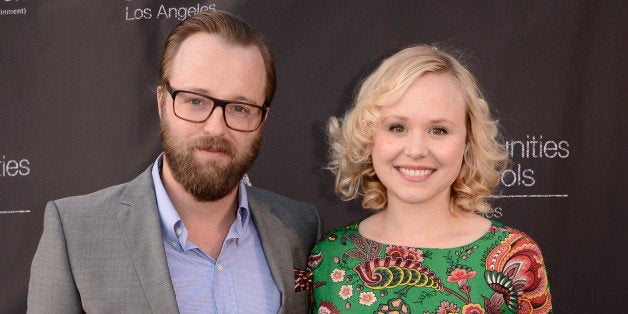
351, 139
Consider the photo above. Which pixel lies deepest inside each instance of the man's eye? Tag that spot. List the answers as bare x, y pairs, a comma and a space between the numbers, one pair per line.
438, 131
195, 101
397, 128
239, 109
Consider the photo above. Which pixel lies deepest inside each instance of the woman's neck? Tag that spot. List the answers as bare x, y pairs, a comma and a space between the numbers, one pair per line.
433, 225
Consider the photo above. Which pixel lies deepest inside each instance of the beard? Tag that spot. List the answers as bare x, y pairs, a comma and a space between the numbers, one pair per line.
207, 181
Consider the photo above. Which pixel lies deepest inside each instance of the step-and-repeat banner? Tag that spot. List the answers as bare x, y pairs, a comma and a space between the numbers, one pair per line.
78, 112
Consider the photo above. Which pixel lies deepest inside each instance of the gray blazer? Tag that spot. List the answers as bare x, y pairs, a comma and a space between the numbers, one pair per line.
104, 252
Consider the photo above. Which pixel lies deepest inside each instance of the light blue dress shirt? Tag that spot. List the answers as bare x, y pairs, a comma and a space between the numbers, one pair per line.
238, 281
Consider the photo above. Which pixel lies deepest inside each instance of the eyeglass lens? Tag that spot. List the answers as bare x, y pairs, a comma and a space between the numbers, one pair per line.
197, 108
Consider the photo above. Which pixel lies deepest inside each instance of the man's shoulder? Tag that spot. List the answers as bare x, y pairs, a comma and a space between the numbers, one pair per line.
272, 197
105, 197
299, 219
286, 209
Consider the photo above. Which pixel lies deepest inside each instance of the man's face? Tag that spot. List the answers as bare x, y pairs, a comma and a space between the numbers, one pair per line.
208, 159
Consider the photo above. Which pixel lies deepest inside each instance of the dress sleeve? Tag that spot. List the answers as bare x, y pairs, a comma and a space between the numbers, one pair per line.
516, 270
536, 297
318, 264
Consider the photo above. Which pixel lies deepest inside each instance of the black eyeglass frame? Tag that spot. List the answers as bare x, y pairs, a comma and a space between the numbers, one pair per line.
217, 103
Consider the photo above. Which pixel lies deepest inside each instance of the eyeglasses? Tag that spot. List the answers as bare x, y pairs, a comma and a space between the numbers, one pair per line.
196, 107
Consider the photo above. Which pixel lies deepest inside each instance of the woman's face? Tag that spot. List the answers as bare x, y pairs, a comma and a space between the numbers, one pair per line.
418, 145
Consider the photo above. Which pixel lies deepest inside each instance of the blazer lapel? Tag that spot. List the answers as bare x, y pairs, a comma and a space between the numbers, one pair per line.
276, 247
141, 228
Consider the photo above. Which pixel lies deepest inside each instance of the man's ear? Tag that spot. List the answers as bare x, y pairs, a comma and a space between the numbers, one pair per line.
160, 100
265, 118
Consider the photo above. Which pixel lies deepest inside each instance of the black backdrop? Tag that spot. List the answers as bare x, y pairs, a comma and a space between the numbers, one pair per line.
78, 112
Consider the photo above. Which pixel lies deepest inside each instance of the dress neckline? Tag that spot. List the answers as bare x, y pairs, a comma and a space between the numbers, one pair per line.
495, 225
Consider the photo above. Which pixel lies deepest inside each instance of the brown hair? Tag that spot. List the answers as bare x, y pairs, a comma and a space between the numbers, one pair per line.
230, 28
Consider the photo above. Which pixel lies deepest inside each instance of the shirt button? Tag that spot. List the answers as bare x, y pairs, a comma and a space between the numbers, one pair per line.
179, 232
174, 244
219, 267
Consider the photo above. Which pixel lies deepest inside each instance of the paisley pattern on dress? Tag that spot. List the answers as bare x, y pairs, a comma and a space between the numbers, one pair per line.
502, 272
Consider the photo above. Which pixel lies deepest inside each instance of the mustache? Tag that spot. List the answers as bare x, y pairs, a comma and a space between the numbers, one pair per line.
214, 144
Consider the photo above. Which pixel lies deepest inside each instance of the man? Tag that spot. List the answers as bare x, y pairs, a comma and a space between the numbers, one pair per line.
186, 235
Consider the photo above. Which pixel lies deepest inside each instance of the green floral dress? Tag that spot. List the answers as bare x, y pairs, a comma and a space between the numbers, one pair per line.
502, 272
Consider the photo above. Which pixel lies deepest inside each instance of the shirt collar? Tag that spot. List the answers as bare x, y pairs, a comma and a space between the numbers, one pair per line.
171, 221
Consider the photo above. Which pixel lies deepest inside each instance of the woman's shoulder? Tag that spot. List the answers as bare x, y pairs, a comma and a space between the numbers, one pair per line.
512, 242
510, 233
335, 236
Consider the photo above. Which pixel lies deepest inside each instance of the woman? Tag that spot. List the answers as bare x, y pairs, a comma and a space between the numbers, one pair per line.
420, 147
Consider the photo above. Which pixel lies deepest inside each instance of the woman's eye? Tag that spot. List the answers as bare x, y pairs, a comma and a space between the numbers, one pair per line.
397, 128
438, 131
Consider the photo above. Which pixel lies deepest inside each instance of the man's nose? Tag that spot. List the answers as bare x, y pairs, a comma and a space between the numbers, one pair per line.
215, 124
